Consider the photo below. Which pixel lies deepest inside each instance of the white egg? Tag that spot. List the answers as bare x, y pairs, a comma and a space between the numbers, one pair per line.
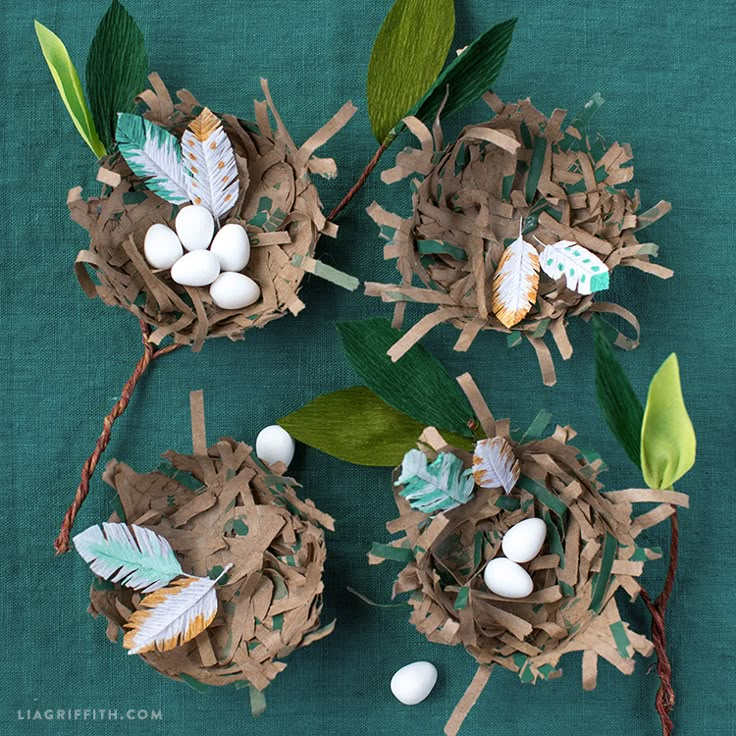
234, 290
524, 540
198, 268
195, 227
507, 578
274, 444
414, 682
232, 247
161, 246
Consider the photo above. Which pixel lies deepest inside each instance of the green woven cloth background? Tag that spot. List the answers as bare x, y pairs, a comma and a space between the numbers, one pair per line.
666, 69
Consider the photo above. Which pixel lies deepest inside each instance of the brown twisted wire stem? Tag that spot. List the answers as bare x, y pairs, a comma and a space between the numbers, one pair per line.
665, 699
61, 544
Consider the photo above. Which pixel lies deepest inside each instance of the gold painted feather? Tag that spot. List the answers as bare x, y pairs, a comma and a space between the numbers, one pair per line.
516, 282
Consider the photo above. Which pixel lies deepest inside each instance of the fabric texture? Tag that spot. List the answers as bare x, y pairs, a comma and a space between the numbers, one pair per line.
666, 70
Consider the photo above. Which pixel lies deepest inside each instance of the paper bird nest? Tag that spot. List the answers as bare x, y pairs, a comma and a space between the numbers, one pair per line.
215, 507
590, 552
278, 205
469, 198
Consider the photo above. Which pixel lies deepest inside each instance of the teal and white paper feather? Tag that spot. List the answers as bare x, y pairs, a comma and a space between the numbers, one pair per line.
584, 272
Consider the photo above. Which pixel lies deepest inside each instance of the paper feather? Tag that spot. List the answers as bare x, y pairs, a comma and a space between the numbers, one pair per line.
516, 282
440, 486
210, 162
584, 272
153, 154
172, 615
130, 555
494, 464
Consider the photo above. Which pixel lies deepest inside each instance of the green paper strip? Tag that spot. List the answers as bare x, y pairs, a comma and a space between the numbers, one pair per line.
257, 702
407, 56
430, 247
535, 168
462, 598
620, 638
621, 408
555, 540
668, 442
387, 552
580, 122
601, 580
543, 496
537, 427
70, 88
117, 69
200, 687
417, 385
508, 503
323, 271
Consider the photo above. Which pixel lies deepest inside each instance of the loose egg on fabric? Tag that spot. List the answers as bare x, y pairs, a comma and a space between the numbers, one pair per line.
524, 540
161, 246
234, 290
274, 444
414, 682
507, 578
232, 247
195, 227
198, 268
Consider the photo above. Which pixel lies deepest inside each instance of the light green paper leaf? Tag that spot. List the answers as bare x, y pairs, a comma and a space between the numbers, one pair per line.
417, 385
356, 426
440, 486
667, 435
153, 154
407, 56
117, 68
70, 88
469, 76
130, 555
618, 402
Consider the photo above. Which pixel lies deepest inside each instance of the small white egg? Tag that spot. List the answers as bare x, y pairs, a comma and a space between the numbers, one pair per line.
524, 540
274, 444
195, 227
198, 268
161, 246
232, 247
234, 290
507, 578
414, 682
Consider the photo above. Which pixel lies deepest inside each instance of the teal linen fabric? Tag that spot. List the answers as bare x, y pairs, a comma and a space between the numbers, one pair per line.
666, 69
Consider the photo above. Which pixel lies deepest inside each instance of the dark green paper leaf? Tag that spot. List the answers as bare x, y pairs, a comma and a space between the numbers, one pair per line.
469, 76
417, 385
407, 56
356, 426
117, 67
620, 406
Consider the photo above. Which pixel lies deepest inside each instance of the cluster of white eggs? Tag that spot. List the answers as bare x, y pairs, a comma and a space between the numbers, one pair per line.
215, 262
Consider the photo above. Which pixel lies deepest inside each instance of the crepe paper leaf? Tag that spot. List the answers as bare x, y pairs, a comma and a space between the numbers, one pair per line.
495, 465
117, 68
407, 56
153, 154
172, 615
210, 161
130, 555
70, 88
515, 282
584, 272
618, 402
440, 486
356, 426
667, 435
417, 385
468, 76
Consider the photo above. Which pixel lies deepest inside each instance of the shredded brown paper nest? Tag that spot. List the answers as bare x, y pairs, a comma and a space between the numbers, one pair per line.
469, 197
215, 507
278, 205
591, 551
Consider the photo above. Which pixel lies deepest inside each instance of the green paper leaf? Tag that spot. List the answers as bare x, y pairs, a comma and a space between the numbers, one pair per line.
468, 76
407, 56
620, 405
417, 385
117, 67
356, 426
667, 434
70, 88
